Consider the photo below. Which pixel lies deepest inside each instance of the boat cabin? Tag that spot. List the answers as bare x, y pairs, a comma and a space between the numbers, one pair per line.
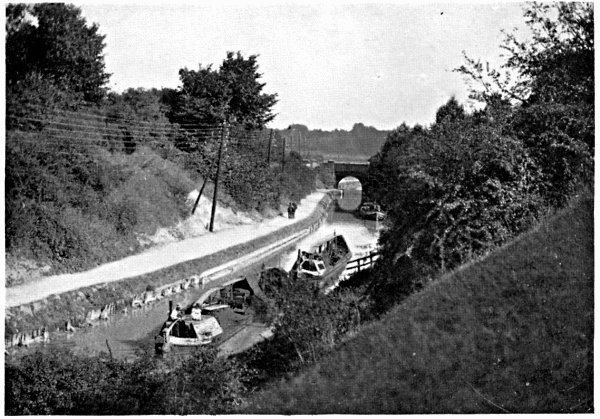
312, 265
324, 262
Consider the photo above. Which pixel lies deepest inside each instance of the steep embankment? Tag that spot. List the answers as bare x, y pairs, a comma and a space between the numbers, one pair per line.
510, 333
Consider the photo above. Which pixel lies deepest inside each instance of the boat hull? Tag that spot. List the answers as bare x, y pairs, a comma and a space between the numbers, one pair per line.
375, 216
371, 211
333, 270
203, 331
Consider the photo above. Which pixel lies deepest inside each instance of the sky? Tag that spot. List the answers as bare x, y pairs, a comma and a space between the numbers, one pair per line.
331, 65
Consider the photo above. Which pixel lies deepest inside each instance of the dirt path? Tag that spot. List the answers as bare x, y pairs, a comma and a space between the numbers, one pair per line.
157, 258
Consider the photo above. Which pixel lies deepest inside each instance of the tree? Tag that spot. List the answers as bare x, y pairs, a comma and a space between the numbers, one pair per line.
550, 77
452, 110
52, 42
232, 94
453, 191
307, 325
64, 383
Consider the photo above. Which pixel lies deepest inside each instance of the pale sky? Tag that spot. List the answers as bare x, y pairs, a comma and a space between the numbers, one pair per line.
331, 65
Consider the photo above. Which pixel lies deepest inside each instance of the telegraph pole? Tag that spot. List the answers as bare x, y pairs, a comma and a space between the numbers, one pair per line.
224, 134
283, 156
203, 186
269, 152
204, 182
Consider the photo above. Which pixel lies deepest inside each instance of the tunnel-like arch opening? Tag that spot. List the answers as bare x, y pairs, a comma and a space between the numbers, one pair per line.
350, 183
351, 196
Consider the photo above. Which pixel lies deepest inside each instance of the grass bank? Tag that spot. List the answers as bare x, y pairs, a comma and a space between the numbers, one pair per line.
512, 333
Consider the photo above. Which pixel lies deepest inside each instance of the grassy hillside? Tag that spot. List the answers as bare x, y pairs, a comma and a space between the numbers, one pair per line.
511, 333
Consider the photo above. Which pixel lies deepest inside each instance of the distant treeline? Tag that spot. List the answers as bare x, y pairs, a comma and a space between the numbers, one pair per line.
360, 143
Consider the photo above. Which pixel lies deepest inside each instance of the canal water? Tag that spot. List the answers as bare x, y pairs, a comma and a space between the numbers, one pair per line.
128, 335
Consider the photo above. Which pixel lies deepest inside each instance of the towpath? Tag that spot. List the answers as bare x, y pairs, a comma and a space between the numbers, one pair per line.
158, 257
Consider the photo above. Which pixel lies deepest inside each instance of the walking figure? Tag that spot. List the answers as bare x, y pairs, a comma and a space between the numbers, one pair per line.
292, 210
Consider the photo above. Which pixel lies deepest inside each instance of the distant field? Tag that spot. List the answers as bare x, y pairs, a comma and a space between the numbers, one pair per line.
512, 333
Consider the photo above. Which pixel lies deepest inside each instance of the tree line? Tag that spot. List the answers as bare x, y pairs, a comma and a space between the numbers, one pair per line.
361, 142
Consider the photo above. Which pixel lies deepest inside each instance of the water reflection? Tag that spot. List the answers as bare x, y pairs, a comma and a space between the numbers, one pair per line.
350, 200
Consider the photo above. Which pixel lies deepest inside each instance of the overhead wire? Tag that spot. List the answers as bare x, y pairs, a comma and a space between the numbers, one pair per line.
128, 126
121, 128
107, 115
95, 135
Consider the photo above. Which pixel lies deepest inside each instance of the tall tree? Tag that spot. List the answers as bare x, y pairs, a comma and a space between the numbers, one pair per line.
52, 42
550, 76
233, 93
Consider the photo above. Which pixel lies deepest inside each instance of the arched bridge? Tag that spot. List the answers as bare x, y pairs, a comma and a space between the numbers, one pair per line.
342, 169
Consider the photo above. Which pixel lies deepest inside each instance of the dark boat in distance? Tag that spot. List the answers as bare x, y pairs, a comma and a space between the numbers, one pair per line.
324, 263
371, 211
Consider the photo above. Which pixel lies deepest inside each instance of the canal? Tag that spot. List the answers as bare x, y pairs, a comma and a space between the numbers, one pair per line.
127, 335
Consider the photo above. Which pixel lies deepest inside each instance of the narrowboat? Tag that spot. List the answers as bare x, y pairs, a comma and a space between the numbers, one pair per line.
371, 211
324, 263
186, 329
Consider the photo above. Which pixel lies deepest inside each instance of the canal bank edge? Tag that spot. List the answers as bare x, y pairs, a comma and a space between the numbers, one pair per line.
85, 307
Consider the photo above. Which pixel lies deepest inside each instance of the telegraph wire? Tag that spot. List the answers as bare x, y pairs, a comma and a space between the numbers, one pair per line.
107, 115
117, 127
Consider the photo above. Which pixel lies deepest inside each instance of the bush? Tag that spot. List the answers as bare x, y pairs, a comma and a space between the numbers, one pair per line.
61, 383
308, 324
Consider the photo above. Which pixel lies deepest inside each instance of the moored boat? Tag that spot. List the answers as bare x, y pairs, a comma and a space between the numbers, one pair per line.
187, 329
324, 263
371, 211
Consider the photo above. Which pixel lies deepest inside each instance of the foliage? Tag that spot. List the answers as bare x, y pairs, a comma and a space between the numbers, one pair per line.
58, 48
297, 180
231, 94
74, 205
551, 78
513, 333
61, 383
88, 171
452, 111
471, 182
454, 191
359, 143
308, 324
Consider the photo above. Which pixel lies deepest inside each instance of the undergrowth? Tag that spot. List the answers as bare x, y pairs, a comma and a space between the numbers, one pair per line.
511, 333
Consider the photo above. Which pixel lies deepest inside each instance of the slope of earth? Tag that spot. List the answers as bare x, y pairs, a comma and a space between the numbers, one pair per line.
510, 333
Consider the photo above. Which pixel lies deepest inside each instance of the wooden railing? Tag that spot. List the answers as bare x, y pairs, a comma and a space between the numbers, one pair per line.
359, 264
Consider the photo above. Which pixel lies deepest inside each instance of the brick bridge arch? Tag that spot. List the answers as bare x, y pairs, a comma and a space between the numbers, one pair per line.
342, 169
